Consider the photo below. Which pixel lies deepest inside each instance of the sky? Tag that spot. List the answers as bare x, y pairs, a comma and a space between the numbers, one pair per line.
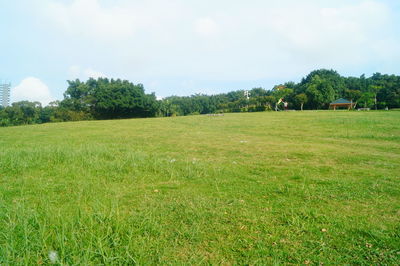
183, 47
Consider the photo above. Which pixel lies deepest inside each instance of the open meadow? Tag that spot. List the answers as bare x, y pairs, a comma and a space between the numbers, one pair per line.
249, 188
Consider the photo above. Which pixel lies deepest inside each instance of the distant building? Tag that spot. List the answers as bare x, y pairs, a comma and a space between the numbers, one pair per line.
5, 94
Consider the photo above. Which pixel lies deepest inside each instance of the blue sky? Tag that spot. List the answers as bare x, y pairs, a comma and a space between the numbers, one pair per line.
182, 47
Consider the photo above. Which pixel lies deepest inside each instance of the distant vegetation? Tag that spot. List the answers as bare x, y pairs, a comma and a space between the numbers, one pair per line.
111, 99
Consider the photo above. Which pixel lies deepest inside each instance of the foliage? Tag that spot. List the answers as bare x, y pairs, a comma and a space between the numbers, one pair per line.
21, 113
111, 99
301, 99
317, 91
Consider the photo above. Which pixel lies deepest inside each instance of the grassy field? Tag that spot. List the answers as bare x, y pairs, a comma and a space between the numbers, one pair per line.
254, 188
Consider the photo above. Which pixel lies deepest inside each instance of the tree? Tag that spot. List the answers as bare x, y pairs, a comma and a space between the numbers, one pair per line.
321, 87
302, 99
330, 77
319, 92
108, 99
374, 89
391, 96
353, 95
367, 99
256, 92
78, 96
122, 99
29, 111
281, 92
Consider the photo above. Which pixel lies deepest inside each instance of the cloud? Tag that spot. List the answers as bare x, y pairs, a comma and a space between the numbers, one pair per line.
84, 73
90, 73
32, 89
89, 18
220, 42
206, 27
316, 28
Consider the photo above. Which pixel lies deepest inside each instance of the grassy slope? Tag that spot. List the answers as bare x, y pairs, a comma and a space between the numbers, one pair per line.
319, 187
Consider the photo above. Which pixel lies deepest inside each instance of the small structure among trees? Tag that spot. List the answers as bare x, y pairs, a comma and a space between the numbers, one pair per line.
341, 103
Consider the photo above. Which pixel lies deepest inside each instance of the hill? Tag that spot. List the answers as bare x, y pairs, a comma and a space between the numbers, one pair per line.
245, 188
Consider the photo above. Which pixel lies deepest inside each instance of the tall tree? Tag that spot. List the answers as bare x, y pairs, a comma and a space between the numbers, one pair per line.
353, 95
302, 99
320, 92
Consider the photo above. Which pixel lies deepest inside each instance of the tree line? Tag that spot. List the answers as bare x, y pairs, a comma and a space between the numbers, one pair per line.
316, 91
116, 99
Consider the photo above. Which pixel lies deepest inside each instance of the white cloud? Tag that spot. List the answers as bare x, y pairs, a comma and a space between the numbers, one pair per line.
206, 27
31, 89
89, 18
256, 40
90, 73
84, 73
312, 27
293, 37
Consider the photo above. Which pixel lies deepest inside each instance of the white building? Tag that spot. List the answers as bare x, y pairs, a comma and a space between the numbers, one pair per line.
5, 94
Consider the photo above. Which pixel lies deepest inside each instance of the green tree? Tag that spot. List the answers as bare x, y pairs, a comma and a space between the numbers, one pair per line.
319, 92
322, 87
107, 99
353, 95
366, 100
302, 99
374, 89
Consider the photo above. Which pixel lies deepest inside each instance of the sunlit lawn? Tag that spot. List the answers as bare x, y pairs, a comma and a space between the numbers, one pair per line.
255, 188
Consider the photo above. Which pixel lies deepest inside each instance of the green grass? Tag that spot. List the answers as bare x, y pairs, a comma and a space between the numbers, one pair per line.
255, 188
